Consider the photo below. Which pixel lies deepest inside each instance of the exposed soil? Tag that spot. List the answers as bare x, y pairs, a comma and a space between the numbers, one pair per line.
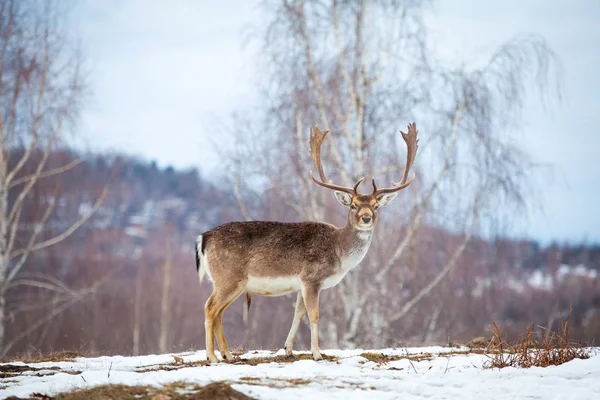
11, 370
173, 391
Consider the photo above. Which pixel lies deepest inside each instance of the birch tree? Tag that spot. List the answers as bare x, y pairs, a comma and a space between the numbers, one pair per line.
41, 88
363, 71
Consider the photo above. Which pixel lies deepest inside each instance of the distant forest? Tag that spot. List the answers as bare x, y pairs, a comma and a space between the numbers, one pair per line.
125, 282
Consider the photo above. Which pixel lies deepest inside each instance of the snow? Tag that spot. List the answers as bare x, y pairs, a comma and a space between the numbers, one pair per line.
456, 375
541, 280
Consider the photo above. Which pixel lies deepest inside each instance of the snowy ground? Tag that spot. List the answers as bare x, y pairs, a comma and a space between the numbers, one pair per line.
442, 373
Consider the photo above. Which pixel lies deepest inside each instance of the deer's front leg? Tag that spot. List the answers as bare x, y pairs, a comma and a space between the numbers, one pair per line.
298, 315
310, 294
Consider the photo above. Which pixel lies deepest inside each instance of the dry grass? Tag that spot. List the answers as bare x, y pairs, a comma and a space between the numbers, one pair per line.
9, 371
65, 355
276, 383
534, 348
179, 363
279, 359
478, 343
172, 366
380, 358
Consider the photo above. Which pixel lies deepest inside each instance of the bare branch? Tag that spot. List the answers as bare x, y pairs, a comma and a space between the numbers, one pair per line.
31, 328
38, 284
45, 174
316, 79
442, 274
38, 228
422, 209
239, 199
66, 233
49, 279
37, 117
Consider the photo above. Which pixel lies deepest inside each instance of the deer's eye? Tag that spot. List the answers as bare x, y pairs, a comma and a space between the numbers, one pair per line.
375, 207
353, 206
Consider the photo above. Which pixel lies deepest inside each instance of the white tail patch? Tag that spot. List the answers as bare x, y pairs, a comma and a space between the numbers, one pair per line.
201, 261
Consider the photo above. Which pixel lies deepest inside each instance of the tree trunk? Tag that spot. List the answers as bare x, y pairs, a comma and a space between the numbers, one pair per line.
164, 306
137, 313
4, 259
2, 316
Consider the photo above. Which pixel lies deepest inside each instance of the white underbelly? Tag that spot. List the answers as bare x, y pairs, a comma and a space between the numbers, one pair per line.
275, 286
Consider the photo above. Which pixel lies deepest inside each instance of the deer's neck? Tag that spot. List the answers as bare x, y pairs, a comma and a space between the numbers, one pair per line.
354, 244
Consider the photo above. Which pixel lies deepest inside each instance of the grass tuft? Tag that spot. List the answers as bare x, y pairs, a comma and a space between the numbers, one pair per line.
65, 355
534, 349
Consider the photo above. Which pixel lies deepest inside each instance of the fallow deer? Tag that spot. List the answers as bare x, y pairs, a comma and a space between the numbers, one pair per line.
275, 258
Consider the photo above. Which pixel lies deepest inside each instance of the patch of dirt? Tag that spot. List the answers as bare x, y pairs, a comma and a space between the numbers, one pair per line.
276, 383
174, 391
218, 390
280, 359
65, 355
385, 358
179, 363
105, 392
172, 366
11, 370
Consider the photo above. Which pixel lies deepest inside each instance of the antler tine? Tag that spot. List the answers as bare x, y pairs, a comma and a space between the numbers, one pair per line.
393, 189
316, 140
358, 183
412, 144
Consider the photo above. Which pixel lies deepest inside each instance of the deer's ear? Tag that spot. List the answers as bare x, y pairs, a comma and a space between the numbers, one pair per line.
344, 198
385, 199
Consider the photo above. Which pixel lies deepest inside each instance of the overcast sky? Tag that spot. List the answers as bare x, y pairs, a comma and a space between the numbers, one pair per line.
160, 75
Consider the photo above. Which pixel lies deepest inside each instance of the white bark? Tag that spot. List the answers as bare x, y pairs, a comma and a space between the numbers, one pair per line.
137, 313
165, 300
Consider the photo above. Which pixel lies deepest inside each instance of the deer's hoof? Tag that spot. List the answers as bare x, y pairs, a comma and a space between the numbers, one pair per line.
212, 359
288, 351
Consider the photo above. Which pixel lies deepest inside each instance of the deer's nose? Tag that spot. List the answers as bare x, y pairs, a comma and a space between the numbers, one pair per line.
366, 220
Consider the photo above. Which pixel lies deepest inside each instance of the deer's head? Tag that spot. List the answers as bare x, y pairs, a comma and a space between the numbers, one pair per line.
363, 207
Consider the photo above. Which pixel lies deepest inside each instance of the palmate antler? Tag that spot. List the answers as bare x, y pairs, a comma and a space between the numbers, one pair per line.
316, 141
412, 144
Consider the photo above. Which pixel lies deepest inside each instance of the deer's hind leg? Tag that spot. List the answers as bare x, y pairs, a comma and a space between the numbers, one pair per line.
219, 326
220, 299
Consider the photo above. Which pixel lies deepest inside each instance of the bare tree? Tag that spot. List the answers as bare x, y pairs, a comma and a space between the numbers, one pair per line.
363, 70
40, 92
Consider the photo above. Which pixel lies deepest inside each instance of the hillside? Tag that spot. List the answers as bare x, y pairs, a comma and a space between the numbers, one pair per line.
127, 278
